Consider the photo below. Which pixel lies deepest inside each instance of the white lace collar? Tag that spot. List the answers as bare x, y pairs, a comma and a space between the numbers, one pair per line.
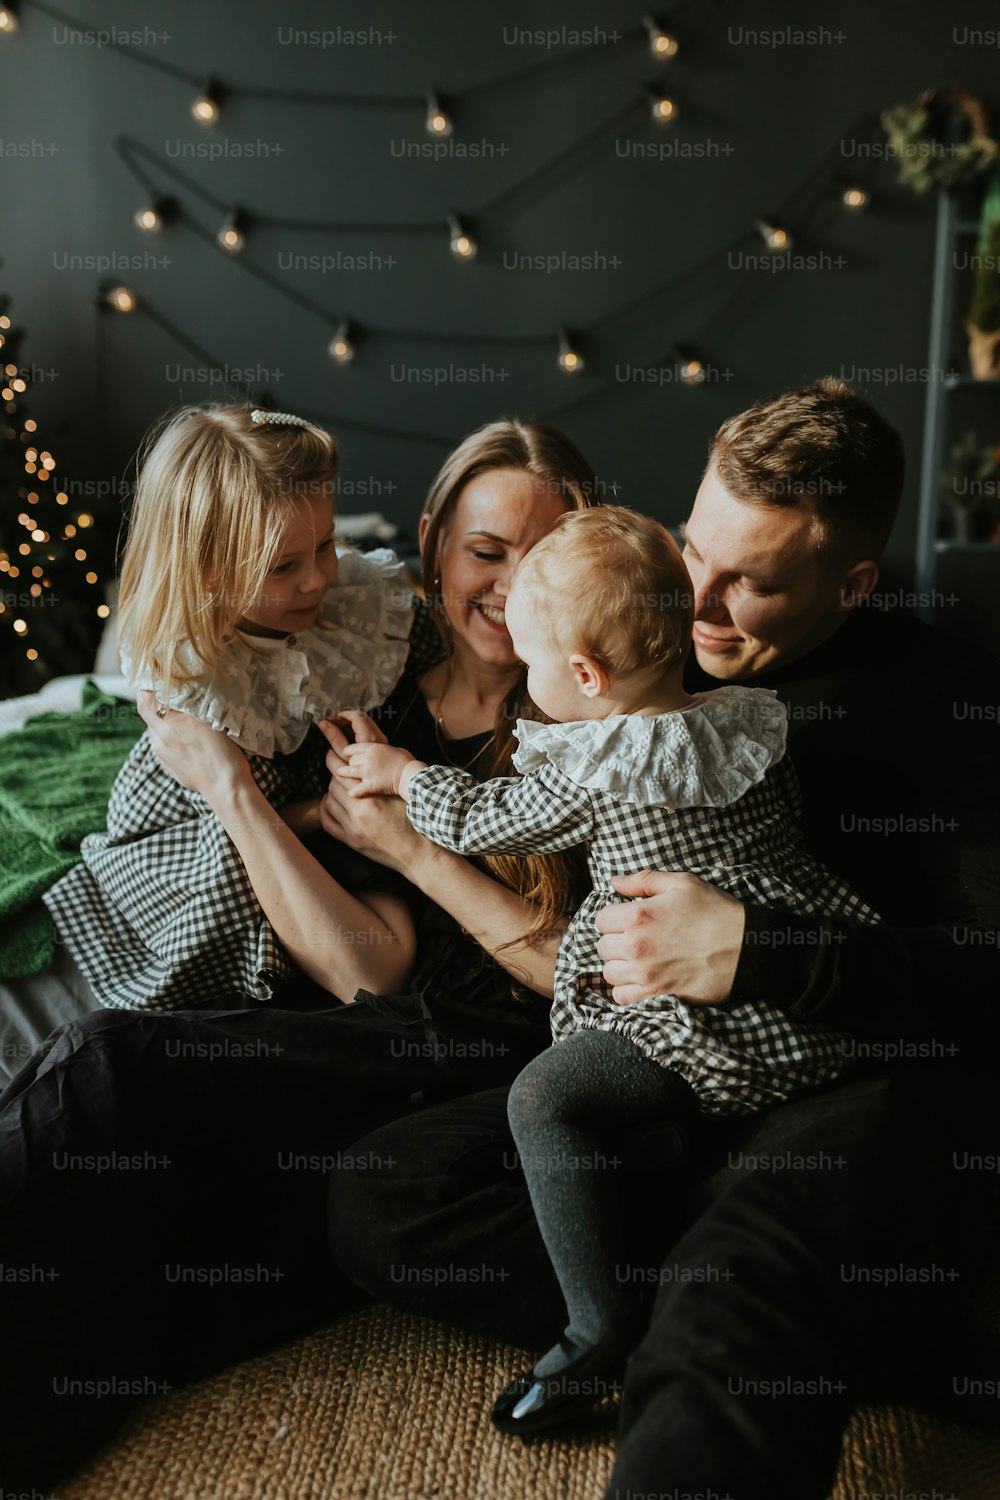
267, 694
705, 755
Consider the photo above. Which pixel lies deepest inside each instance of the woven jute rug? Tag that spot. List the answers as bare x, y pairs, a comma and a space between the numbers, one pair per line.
384, 1406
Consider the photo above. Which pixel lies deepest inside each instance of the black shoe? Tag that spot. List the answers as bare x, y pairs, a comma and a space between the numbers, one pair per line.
532, 1405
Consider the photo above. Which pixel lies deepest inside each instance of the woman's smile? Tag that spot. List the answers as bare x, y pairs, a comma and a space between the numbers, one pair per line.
492, 613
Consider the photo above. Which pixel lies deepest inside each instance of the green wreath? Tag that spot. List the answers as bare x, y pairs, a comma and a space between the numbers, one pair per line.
921, 135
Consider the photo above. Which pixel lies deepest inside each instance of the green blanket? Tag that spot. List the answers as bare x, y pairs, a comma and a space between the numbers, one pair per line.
55, 778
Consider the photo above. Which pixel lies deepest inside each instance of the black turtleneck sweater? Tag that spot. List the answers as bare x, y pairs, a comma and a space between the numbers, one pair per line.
894, 729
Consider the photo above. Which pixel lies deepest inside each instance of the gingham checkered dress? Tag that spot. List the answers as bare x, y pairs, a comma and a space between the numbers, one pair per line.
160, 915
706, 790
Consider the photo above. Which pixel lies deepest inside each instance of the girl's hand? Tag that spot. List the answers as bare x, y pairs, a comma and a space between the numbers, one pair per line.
370, 769
201, 758
376, 826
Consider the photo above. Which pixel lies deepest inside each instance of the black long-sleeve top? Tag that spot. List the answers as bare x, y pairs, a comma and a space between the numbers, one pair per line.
894, 727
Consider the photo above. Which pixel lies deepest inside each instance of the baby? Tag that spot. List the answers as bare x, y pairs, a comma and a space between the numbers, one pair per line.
647, 776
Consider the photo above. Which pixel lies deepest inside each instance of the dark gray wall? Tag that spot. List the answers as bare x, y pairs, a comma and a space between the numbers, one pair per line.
771, 116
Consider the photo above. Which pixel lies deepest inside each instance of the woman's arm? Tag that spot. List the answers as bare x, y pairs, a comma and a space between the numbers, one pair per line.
343, 942
488, 911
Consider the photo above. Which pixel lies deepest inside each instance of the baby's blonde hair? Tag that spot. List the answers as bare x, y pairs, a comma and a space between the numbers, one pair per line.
613, 586
212, 499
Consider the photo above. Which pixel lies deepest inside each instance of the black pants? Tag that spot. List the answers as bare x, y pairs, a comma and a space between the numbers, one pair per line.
163, 1187
779, 1292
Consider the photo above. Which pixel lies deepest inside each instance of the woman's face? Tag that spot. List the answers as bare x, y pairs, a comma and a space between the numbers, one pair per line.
498, 517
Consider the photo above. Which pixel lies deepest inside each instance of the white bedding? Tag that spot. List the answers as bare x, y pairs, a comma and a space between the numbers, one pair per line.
60, 695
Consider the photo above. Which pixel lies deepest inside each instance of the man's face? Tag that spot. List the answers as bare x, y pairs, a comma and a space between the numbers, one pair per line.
765, 593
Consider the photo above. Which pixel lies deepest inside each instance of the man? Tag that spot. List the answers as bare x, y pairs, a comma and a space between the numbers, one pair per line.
763, 1310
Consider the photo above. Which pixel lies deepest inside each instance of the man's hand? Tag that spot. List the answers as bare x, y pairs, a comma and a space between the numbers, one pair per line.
372, 770
679, 935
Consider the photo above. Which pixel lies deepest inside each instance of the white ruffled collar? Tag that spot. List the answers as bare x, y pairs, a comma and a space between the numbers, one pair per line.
267, 694
705, 755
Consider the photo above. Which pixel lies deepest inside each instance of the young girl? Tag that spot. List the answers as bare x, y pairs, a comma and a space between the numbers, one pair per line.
236, 607
648, 777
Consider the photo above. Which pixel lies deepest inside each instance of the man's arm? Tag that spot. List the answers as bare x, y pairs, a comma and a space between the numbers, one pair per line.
680, 935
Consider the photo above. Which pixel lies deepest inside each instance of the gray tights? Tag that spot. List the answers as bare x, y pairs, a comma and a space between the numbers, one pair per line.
561, 1108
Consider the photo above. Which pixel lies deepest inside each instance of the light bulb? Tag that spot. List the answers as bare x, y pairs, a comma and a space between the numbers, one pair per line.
231, 236
205, 109
121, 299
571, 361
662, 108
692, 371
340, 349
463, 246
855, 198
438, 122
773, 236
149, 220
661, 44
8, 19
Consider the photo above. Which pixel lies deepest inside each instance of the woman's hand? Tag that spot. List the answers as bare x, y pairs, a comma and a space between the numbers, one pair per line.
376, 826
201, 758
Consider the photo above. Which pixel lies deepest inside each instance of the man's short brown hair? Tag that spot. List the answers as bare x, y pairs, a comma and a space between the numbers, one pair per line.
823, 444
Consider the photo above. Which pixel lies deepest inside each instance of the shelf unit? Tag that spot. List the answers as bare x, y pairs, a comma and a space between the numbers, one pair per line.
950, 227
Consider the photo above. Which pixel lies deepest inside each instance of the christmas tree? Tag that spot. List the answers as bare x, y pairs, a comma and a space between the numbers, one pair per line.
53, 552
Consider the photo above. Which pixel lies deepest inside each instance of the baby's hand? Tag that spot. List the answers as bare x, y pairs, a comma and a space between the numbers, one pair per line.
373, 769
366, 731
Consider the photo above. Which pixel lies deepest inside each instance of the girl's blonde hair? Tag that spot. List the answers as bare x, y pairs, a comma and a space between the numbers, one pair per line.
615, 587
211, 502
555, 881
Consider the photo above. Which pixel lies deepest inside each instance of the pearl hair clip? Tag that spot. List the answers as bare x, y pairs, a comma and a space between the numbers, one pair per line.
276, 419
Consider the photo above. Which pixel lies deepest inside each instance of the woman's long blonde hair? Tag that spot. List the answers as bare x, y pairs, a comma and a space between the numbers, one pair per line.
211, 501
555, 882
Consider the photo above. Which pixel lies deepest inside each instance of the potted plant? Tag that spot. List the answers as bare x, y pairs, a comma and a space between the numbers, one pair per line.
969, 482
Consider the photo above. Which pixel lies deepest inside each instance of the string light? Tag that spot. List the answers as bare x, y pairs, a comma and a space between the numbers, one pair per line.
231, 236
692, 370
438, 122
207, 107
774, 237
856, 198
121, 299
153, 216
571, 361
463, 246
341, 349
661, 44
662, 108
8, 19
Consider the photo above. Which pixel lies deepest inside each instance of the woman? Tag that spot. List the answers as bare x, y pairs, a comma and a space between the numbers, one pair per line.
191, 1144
